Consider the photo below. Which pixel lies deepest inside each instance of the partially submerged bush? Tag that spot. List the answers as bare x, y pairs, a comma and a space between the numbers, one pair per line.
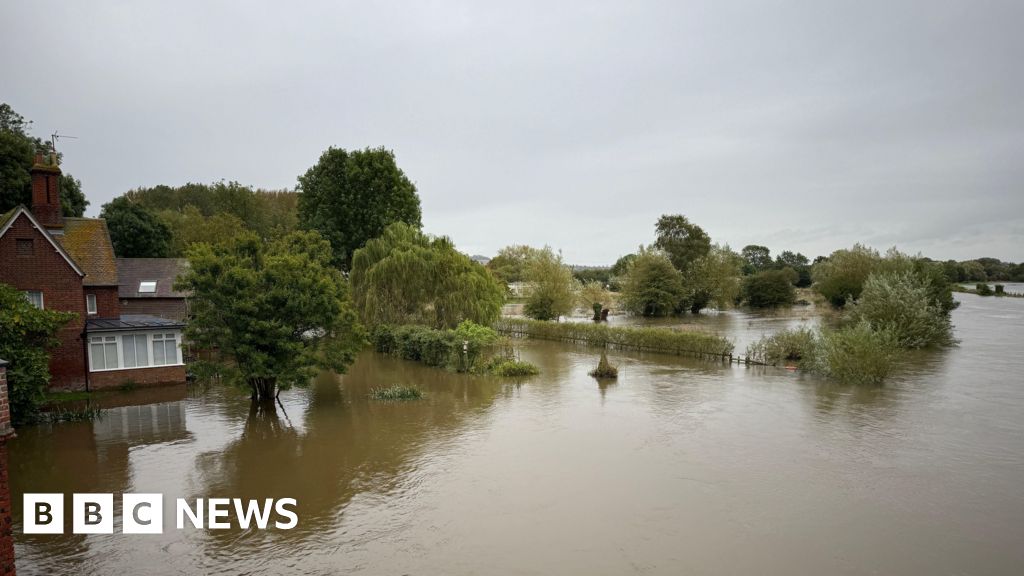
857, 354
983, 289
604, 368
396, 392
795, 345
511, 368
901, 303
769, 289
458, 349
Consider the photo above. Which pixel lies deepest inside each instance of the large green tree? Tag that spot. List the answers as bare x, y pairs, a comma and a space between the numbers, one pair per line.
756, 258
712, 279
134, 231
351, 197
408, 277
276, 311
681, 240
17, 152
509, 265
27, 334
653, 286
552, 288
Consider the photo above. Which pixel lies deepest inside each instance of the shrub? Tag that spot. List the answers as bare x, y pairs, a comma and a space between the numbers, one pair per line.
396, 392
790, 345
769, 289
857, 354
900, 303
458, 349
1000, 290
983, 289
604, 368
511, 368
841, 277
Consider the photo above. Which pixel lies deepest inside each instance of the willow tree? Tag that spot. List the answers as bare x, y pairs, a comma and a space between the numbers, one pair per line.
275, 312
552, 287
408, 277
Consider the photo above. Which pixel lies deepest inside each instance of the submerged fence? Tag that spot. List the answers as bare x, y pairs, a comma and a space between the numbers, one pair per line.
665, 340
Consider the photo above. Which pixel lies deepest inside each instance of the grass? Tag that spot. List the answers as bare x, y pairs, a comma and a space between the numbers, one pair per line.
62, 414
604, 368
622, 337
396, 392
511, 368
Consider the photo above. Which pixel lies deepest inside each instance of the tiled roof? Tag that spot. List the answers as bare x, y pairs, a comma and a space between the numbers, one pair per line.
88, 243
130, 322
163, 271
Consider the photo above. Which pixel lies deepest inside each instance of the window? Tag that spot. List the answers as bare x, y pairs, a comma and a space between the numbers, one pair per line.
90, 303
103, 352
133, 350
147, 286
35, 298
25, 247
165, 349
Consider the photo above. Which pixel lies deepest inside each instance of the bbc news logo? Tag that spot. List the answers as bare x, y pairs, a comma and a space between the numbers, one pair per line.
144, 513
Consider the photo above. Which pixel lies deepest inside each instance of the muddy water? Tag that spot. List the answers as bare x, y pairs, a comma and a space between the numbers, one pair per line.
681, 467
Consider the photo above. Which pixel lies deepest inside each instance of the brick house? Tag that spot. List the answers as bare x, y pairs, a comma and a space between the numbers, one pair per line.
146, 286
68, 264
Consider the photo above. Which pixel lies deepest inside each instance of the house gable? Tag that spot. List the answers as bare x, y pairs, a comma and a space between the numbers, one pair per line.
8, 223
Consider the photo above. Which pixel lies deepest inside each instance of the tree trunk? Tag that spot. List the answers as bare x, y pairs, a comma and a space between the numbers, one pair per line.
262, 388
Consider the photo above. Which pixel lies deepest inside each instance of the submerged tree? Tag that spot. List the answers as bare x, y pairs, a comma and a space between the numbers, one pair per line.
276, 312
552, 290
653, 286
681, 240
712, 279
351, 197
408, 277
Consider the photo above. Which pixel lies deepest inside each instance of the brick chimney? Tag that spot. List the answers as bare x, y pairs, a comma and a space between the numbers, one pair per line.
46, 190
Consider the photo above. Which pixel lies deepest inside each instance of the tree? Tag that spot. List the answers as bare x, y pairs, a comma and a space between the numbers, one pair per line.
27, 334
594, 296
408, 277
712, 278
276, 312
768, 289
653, 286
902, 303
17, 153
756, 258
799, 263
189, 226
841, 277
135, 232
510, 263
681, 240
552, 291
351, 197
621, 266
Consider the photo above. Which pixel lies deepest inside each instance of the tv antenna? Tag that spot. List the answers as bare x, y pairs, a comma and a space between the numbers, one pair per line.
55, 136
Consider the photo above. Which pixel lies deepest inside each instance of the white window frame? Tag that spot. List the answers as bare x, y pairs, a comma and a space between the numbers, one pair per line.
147, 287
28, 296
90, 304
148, 337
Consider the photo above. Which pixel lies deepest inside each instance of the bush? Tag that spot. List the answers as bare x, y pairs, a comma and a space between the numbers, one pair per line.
791, 345
396, 392
604, 368
901, 303
770, 288
1000, 290
27, 334
983, 289
511, 368
458, 349
857, 354
841, 277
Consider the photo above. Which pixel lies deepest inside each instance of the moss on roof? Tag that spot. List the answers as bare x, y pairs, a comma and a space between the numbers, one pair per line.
87, 241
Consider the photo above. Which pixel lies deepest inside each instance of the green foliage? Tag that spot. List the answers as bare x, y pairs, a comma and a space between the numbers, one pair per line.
756, 258
396, 392
653, 286
407, 277
134, 232
790, 345
511, 262
277, 311
511, 368
604, 368
621, 266
17, 153
622, 337
983, 289
458, 349
552, 287
190, 226
858, 354
712, 278
841, 277
27, 334
352, 197
586, 275
593, 296
901, 303
682, 241
769, 289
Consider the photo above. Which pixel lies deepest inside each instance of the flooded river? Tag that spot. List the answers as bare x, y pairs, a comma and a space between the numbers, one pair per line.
680, 467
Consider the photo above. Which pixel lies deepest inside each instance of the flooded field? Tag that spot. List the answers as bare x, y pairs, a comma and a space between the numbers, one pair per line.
680, 467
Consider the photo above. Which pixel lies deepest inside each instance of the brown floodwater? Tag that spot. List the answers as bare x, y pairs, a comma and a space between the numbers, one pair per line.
679, 467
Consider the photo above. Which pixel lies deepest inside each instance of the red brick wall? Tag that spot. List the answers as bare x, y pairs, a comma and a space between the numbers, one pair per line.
6, 524
47, 271
46, 195
140, 376
170, 308
107, 303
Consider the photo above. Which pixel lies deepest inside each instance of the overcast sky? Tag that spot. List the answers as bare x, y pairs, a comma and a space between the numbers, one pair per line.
798, 125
